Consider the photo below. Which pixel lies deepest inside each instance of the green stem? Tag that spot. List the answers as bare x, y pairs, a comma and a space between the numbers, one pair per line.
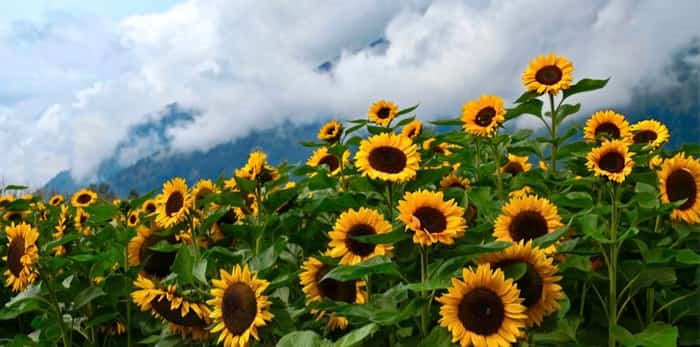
128, 300
423, 277
554, 133
668, 304
477, 158
650, 305
390, 201
57, 309
612, 270
584, 291
499, 175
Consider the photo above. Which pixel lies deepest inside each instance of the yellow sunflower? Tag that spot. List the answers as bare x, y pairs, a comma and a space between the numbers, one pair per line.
527, 218
133, 219
650, 132
539, 286
330, 131
360, 222
56, 200
388, 157
679, 179
431, 218
548, 74
484, 309
609, 124
516, 164
412, 129
6, 199
173, 203
322, 156
80, 221
612, 159
441, 148
84, 198
149, 207
655, 162
233, 216
383, 112
15, 216
240, 307
454, 181
155, 264
522, 192
483, 116
22, 254
201, 189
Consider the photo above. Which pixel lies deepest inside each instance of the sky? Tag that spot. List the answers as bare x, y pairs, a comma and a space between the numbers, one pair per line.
77, 76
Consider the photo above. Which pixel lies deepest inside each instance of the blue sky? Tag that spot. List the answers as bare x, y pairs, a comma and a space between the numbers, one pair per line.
115, 9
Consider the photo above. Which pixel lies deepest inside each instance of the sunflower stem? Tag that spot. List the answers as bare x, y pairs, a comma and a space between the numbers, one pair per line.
477, 158
499, 176
390, 200
57, 309
128, 302
423, 277
612, 269
554, 133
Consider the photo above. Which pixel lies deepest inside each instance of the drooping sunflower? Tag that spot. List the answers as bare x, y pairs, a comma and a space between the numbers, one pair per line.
650, 132
483, 116
322, 156
317, 289
80, 221
679, 179
383, 112
388, 157
516, 164
133, 219
232, 216
184, 317
173, 203
22, 254
608, 124
431, 218
539, 286
56, 200
149, 207
330, 131
257, 168
201, 189
84, 198
527, 218
612, 159
239, 306
155, 263
484, 309
454, 181
412, 129
548, 74
360, 222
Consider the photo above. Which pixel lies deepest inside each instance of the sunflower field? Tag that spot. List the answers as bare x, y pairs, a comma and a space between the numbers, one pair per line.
467, 232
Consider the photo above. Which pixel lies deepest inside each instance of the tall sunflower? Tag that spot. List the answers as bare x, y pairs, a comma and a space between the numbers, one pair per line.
548, 74
173, 203
483, 116
539, 286
84, 198
608, 124
516, 164
412, 129
679, 179
56, 200
483, 310
431, 218
650, 132
155, 263
360, 222
22, 254
454, 181
322, 156
612, 159
526, 218
239, 306
383, 112
330, 131
388, 157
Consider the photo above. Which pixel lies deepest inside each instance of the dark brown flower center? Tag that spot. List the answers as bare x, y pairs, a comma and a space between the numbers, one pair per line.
549, 75
133, 219
527, 225
530, 284
174, 203
238, 308
150, 208
356, 247
485, 116
155, 263
344, 291
202, 193
384, 113
13, 216
331, 161
230, 217
387, 159
14, 255
431, 219
608, 129
645, 136
513, 168
162, 306
55, 201
83, 198
481, 311
680, 185
612, 162
330, 131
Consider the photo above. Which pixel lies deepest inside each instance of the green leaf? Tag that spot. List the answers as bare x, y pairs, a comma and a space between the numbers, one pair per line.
566, 110
247, 186
438, 337
516, 270
446, 122
391, 237
101, 212
87, 295
656, 334
585, 85
356, 336
200, 271
375, 265
575, 199
15, 187
527, 96
533, 107
165, 247
548, 239
432, 284
183, 264
374, 130
304, 338
26, 301
407, 110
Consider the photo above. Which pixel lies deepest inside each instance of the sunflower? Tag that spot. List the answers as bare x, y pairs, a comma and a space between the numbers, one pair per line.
548, 74
383, 112
679, 179
543, 165
80, 220
454, 181
317, 289
527, 218
520, 193
240, 307
483, 116
232, 216
22, 254
431, 218
484, 309
15, 216
149, 207
539, 286
612, 159
133, 219
516, 164
322, 156
113, 329
360, 222
56, 200
258, 169
201, 189
650, 132
388, 157
655, 162
155, 264
60, 229
6, 199
184, 317
84, 198
330, 131
441, 148
412, 129
607, 123
173, 203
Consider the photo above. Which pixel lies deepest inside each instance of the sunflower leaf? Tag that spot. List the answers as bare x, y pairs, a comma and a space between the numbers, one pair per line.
585, 85
405, 121
533, 107
515, 271
656, 334
356, 336
527, 96
407, 110
375, 265
391, 237
438, 337
456, 121
183, 264
566, 110
550, 238
303, 338
86, 296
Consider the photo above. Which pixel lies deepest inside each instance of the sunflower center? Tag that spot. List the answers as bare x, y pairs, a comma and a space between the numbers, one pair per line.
229, 217
608, 128
83, 198
132, 219
174, 203
681, 185
527, 225
331, 161
481, 311
162, 306
612, 162
202, 193
156, 263
485, 116
513, 168
13, 217
150, 208
387, 159
383, 113
550, 74
412, 133
334, 289
55, 201
330, 131
644, 136
431, 219
14, 255
238, 308
530, 284
356, 247
457, 185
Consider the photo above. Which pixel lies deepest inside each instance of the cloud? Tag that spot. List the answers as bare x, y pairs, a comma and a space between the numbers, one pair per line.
246, 66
